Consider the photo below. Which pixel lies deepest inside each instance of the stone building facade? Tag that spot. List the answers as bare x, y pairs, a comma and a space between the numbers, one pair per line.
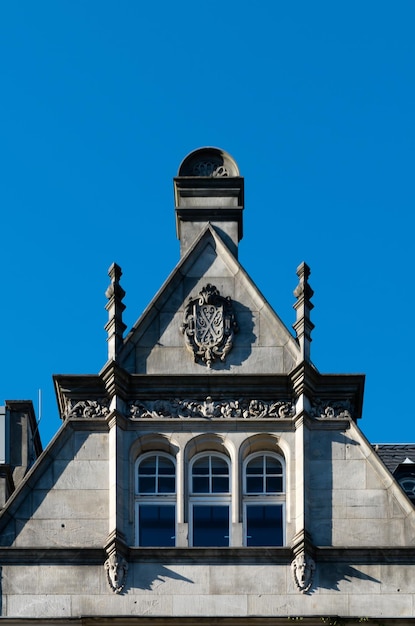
209, 473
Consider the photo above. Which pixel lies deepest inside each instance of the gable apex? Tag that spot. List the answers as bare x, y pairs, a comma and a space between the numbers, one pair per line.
157, 343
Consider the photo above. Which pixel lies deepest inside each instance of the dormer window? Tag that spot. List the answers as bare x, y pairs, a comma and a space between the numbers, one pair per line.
405, 475
408, 485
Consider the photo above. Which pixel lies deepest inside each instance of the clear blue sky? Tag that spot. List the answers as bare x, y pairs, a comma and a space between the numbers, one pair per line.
316, 102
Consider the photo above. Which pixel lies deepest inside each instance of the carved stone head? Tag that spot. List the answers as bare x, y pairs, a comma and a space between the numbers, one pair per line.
116, 567
303, 568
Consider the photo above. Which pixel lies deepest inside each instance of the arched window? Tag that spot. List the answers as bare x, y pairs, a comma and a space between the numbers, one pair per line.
155, 500
264, 500
209, 502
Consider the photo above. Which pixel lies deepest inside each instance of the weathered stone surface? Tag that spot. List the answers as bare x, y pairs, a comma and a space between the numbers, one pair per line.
87, 504
210, 605
61, 532
249, 580
382, 605
51, 580
39, 606
91, 446
80, 475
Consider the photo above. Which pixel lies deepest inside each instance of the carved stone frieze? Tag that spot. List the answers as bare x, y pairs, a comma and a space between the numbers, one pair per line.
209, 325
303, 567
116, 568
209, 408
87, 408
330, 409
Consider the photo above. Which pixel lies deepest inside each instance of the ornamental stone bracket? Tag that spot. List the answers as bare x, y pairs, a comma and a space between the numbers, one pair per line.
227, 409
209, 326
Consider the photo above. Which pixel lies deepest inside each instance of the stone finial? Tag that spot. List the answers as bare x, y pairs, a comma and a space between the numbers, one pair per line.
115, 327
303, 325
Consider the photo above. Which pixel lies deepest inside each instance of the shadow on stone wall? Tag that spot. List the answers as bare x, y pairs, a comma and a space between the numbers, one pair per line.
330, 575
149, 576
45, 474
320, 482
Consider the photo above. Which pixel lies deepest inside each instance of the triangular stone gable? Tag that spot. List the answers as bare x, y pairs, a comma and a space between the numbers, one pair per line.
353, 500
63, 500
262, 345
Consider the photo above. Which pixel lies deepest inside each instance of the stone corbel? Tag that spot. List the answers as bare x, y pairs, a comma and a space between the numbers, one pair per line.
116, 566
303, 565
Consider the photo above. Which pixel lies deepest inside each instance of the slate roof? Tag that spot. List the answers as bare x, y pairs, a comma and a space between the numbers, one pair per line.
393, 454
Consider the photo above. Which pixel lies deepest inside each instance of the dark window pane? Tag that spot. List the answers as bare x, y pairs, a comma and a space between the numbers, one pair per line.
273, 465
254, 484
264, 525
156, 525
210, 526
274, 484
146, 484
219, 466
167, 484
201, 466
220, 484
166, 466
200, 484
256, 466
148, 466
254, 470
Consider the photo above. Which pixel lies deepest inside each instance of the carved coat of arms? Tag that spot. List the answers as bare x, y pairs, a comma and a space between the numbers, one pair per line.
209, 325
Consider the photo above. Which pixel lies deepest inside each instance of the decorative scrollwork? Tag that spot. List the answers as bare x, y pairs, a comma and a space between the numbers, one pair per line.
329, 409
209, 408
210, 168
209, 325
87, 408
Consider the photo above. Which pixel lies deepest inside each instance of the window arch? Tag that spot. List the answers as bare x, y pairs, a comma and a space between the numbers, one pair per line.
209, 500
155, 500
264, 499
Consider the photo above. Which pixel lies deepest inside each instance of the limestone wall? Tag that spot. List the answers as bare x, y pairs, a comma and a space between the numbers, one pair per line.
65, 502
206, 590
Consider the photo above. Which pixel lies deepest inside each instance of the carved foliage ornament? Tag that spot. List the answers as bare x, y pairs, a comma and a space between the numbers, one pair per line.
242, 408
329, 409
87, 408
209, 326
